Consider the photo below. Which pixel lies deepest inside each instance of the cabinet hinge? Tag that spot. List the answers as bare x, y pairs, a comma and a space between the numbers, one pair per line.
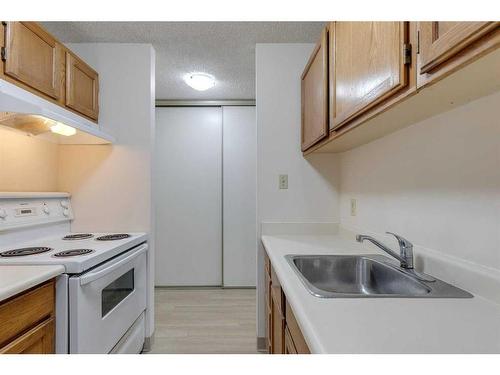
407, 53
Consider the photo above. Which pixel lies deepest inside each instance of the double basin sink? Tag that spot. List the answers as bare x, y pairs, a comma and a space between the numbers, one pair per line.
362, 276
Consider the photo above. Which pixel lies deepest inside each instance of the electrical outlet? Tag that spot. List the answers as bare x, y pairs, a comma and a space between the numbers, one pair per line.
353, 207
283, 181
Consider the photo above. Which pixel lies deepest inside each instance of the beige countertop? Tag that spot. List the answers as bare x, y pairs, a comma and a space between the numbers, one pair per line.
16, 279
380, 325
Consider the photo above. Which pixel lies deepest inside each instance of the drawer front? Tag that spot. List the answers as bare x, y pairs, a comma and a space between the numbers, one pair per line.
39, 340
299, 342
20, 314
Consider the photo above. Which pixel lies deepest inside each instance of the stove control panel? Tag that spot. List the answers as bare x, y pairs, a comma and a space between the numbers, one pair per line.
21, 211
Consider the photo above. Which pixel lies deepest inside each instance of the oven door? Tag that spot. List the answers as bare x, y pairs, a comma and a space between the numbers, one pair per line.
106, 301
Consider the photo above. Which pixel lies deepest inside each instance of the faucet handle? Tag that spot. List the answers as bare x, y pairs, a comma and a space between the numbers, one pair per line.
403, 242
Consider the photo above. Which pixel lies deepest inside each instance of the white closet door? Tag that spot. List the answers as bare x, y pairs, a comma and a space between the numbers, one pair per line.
189, 196
239, 186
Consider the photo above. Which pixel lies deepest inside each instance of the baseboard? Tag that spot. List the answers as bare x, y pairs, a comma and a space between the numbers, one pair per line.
148, 343
262, 344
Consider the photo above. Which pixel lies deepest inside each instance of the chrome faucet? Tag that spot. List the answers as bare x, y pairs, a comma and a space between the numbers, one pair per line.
405, 256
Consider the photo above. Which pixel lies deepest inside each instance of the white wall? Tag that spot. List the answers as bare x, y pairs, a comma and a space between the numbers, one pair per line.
436, 182
111, 185
239, 195
27, 163
312, 194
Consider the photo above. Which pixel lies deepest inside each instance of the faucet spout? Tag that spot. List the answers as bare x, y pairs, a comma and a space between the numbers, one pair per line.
405, 255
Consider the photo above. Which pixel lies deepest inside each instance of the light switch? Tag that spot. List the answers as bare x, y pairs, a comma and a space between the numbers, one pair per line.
353, 207
283, 181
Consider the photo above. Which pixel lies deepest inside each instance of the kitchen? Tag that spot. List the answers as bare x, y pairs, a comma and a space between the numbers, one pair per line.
155, 199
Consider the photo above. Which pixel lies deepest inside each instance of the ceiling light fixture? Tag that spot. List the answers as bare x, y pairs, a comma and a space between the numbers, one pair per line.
60, 128
199, 81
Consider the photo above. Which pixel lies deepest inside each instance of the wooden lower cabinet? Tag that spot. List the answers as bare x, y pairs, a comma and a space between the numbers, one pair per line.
292, 327
39, 340
284, 335
289, 345
27, 321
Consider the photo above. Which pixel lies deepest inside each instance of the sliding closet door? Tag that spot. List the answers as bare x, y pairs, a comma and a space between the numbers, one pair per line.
188, 183
240, 154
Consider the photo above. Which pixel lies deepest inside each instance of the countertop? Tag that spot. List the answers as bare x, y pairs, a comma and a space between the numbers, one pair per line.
16, 279
380, 325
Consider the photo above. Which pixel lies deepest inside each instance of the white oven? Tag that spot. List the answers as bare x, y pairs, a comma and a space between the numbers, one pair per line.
106, 305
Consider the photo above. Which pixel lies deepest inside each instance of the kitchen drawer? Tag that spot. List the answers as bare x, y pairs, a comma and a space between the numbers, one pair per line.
38, 340
21, 313
299, 342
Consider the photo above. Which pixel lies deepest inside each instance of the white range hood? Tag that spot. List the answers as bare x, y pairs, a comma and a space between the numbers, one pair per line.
26, 112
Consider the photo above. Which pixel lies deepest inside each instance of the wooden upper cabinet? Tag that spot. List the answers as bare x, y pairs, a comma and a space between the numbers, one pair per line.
440, 41
33, 57
368, 64
314, 93
82, 87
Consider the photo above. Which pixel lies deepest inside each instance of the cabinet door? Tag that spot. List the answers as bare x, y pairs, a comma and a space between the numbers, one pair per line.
314, 95
82, 87
33, 57
278, 329
368, 64
289, 346
439, 41
39, 340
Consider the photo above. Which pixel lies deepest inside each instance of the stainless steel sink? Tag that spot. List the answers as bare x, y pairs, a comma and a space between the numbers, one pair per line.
354, 276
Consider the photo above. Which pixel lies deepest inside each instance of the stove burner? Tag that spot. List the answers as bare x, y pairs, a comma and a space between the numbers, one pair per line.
25, 251
73, 252
112, 237
78, 236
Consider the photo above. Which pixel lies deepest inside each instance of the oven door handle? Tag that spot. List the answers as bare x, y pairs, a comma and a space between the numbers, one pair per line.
92, 276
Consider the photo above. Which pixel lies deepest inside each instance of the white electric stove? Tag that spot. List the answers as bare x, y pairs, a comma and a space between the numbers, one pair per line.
101, 297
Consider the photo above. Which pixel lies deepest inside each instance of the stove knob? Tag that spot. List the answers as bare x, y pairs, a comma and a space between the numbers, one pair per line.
66, 212
3, 213
64, 204
46, 209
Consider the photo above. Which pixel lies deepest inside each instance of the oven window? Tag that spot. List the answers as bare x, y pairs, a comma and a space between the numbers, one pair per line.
117, 291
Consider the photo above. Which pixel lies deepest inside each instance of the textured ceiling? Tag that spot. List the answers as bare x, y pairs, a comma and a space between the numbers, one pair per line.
223, 49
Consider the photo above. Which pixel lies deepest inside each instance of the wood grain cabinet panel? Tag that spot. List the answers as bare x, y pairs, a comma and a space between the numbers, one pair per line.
27, 321
278, 329
299, 343
440, 41
314, 95
82, 87
282, 329
39, 340
368, 63
33, 57
289, 345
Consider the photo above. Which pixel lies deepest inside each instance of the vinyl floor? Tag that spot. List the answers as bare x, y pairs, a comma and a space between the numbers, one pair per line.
212, 321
